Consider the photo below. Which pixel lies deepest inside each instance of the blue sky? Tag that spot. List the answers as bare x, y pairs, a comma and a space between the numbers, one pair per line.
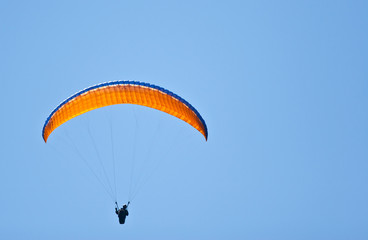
282, 86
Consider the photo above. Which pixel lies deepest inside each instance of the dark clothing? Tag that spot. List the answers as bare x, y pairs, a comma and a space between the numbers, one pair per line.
122, 213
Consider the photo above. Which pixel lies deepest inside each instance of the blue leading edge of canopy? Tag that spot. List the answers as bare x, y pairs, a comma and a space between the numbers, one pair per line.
123, 82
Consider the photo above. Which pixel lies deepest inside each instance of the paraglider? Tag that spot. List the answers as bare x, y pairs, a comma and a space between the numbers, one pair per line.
122, 212
123, 92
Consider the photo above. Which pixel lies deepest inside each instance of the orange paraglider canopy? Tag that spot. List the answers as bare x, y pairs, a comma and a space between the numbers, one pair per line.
120, 92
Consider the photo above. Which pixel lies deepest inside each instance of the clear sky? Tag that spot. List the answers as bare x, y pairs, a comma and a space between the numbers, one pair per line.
282, 86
